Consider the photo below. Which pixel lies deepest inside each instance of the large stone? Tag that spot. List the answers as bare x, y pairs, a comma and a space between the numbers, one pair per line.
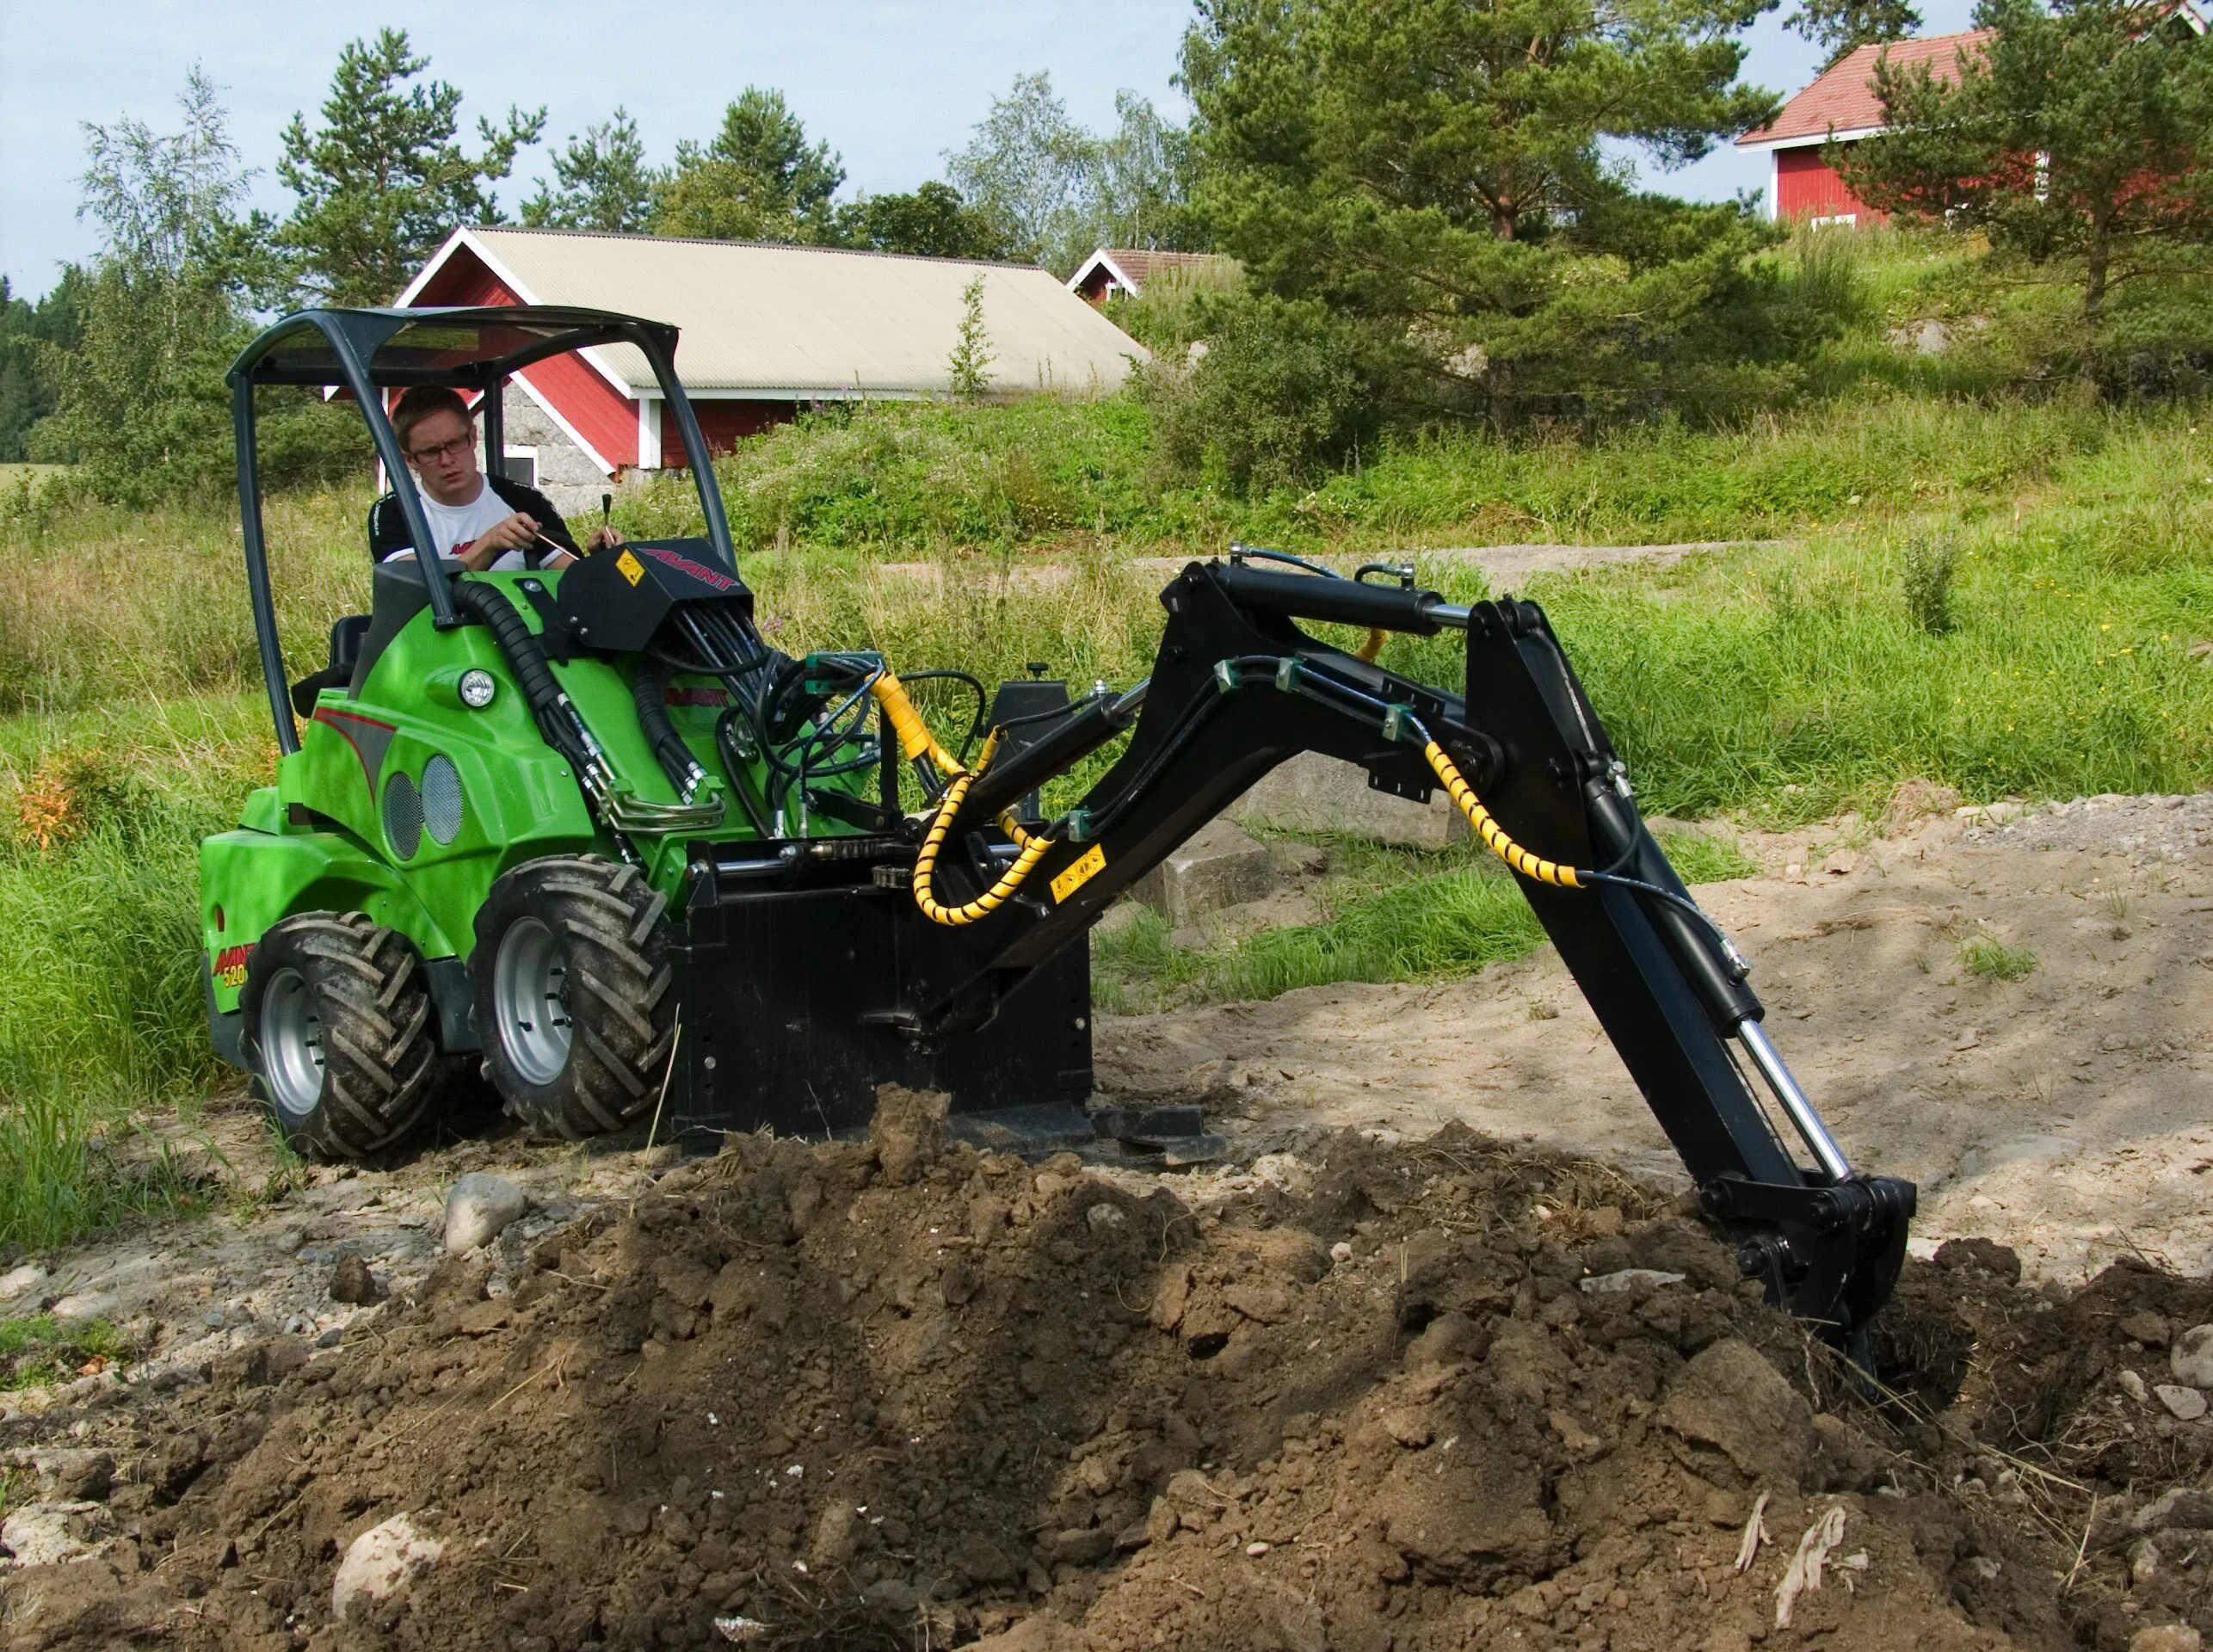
381, 1563
478, 1210
2191, 1357
1220, 866
52, 1534
1314, 793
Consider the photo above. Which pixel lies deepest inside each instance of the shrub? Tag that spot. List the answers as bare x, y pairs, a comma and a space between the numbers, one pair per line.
1268, 398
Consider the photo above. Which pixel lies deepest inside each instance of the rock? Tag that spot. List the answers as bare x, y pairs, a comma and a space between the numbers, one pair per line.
2191, 1358
1219, 866
1314, 793
1729, 1402
85, 1304
381, 1561
22, 1281
2150, 1329
352, 1282
2165, 1637
1341, 1253
1626, 1280
2182, 1507
478, 1210
72, 1474
2143, 1562
2132, 1385
2186, 1403
49, 1534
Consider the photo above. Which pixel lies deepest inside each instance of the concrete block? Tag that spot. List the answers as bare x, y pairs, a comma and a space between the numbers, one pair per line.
1313, 793
1219, 866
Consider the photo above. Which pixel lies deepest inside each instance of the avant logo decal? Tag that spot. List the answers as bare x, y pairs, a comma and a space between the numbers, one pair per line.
230, 965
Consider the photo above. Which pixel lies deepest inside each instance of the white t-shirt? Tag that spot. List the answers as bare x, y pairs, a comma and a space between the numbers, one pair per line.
455, 527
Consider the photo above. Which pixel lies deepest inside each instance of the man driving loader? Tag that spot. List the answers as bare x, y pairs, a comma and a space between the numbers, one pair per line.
485, 521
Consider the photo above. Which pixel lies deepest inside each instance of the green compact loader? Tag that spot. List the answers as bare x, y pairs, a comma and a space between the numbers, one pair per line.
586, 829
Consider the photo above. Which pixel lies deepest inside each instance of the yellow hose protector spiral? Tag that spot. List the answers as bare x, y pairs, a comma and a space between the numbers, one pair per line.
916, 739
1034, 850
1493, 835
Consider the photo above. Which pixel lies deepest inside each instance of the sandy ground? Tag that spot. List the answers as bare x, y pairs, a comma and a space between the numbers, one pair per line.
2068, 1115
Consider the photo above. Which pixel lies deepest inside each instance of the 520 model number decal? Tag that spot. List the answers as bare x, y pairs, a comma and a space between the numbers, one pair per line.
230, 965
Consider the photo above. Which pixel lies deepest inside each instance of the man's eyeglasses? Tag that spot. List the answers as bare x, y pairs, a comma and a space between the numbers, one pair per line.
453, 449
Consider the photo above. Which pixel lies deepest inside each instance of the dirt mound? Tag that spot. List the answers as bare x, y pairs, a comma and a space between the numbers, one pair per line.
903, 1395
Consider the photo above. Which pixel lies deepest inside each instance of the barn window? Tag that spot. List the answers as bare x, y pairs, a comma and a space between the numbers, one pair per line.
1835, 221
521, 464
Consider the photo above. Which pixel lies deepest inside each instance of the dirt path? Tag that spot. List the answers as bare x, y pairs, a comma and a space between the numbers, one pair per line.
2068, 1114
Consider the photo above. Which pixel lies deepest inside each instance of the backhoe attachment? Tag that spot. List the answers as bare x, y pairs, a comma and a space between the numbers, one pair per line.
993, 902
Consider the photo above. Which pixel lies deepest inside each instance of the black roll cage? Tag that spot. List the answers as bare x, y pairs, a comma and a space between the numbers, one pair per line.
359, 361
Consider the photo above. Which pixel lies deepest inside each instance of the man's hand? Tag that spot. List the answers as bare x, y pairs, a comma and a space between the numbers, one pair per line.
515, 533
602, 537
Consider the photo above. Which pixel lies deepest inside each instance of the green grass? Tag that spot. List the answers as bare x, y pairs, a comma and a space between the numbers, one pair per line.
1982, 953
38, 1349
1395, 915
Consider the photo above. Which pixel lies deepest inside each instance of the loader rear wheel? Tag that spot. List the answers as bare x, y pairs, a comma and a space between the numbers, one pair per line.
574, 1004
338, 1034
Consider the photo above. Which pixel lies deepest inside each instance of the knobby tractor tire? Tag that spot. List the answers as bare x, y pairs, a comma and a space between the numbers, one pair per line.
574, 1001
339, 1034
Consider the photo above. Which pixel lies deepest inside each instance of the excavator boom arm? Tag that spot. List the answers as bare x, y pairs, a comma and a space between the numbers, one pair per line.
1238, 687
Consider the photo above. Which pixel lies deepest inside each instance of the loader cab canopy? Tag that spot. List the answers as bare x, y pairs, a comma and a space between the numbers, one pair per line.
364, 353
468, 349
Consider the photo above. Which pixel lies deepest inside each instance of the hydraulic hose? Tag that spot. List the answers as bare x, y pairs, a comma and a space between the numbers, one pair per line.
1034, 849
1494, 835
648, 690
526, 658
915, 740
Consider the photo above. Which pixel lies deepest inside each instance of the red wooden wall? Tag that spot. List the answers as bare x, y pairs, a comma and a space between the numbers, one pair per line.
723, 424
1806, 187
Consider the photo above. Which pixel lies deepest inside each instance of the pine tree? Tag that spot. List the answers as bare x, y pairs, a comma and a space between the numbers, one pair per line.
1838, 26
601, 181
758, 179
1441, 171
382, 181
2078, 136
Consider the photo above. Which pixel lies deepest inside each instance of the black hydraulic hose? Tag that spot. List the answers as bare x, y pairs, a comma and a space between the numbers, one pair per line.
649, 691
526, 658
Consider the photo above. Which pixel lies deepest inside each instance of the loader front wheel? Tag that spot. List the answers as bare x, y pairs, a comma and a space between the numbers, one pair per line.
573, 996
338, 1034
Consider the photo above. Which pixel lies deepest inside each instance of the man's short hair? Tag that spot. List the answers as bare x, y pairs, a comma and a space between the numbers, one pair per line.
418, 402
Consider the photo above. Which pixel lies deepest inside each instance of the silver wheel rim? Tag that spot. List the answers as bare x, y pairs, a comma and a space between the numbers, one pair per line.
530, 995
292, 1043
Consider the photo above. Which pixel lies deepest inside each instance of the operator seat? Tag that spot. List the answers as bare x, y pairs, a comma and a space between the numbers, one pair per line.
345, 648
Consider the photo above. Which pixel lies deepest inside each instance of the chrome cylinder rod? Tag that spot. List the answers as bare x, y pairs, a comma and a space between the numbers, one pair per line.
1827, 1154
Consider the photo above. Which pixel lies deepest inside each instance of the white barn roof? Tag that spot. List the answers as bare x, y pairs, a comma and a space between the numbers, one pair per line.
805, 323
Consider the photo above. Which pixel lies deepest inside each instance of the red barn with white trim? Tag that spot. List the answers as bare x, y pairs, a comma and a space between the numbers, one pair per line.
766, 331
1842, 108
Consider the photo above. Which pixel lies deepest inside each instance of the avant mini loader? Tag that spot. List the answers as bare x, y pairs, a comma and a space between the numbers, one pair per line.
588, 828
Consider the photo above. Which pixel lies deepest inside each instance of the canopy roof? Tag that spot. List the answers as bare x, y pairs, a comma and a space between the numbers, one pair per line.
468, 348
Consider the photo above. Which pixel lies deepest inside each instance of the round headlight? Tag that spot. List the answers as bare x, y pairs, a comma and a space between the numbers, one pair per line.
476, 688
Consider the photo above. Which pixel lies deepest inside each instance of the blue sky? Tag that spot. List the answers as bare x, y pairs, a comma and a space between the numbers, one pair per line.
891, 83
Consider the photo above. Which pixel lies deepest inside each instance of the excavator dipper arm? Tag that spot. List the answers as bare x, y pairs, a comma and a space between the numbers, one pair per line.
1238, 687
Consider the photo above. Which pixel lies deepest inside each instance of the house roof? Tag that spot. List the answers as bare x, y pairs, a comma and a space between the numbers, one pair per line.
805, 322
1842, 101
1134, 266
